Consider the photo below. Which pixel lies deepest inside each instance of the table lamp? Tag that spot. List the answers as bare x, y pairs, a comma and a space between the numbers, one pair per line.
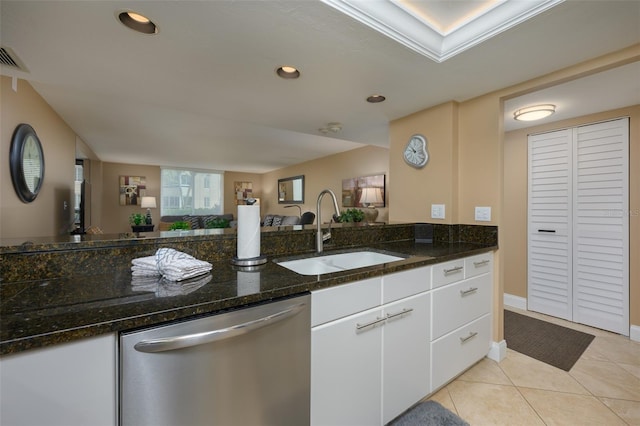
148, 203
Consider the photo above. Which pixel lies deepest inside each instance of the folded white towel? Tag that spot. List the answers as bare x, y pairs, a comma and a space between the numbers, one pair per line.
172, 264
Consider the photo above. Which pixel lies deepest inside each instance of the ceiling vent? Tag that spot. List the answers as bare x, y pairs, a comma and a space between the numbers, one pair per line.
8, 58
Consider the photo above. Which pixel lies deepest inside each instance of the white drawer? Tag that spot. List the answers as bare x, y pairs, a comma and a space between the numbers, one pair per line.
459, 303
406, 283
332, 303
457, 351
447, 273
477, 265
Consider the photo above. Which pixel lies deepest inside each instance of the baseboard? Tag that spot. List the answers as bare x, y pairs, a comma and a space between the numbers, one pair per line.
515, 301
634, 332
498, 351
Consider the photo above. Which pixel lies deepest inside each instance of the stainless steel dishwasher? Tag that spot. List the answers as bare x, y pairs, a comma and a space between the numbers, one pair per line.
245, 367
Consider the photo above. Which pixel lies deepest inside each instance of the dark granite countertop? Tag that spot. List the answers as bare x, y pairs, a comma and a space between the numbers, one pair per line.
45, 312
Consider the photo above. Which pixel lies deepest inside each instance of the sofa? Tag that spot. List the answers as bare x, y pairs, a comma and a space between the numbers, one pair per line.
307, 218
200, 221
196, 221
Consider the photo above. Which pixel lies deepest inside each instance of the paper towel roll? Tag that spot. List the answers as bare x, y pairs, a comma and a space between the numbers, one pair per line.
248, 231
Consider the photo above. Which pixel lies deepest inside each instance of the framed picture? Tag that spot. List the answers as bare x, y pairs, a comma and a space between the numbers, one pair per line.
132, 189
364, 191
243, 191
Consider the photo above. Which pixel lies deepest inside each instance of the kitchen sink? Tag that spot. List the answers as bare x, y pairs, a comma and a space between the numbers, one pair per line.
329, 263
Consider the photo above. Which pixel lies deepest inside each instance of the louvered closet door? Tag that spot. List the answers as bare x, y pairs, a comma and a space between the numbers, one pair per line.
601, 226
550, 202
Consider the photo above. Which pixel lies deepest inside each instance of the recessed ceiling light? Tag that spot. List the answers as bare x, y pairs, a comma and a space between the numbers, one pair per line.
374, 99
286, 71
334, 127
137, 22
535, 112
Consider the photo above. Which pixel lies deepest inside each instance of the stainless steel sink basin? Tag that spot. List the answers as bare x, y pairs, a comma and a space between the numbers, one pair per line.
338, 262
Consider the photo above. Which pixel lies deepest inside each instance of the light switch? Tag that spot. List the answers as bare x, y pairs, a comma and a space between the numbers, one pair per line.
483, 214
437, 211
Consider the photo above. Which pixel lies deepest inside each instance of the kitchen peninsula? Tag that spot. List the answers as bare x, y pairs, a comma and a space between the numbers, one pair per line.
60, 292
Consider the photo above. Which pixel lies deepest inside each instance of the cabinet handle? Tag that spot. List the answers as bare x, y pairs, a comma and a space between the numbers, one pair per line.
481, 263
470, 336
453, 270
466, 292
552, 231
369, 324
402, 312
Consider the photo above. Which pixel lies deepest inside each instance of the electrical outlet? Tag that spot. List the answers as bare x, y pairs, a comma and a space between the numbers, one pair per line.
483, 214
437, 211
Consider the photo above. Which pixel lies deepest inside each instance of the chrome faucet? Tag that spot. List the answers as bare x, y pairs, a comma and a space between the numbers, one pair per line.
320, 237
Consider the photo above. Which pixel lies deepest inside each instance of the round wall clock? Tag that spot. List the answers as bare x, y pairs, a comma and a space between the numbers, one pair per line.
415, 153
26, 161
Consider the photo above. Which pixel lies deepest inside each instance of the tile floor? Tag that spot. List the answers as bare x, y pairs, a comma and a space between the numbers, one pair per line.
602, 388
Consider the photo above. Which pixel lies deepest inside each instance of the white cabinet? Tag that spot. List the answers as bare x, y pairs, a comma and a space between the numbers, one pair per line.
459, 303
370, 366
346, 356
461, 309
67, 384
405, 371
456, 351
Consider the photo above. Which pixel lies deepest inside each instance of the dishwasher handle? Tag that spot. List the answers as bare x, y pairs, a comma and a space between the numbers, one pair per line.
188, 340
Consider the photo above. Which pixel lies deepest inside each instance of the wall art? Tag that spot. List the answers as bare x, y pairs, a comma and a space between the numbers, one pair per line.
364, 191
132, 189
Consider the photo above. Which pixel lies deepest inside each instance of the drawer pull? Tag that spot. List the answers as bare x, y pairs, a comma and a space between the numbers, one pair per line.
453, 270
481, 263
369, 324
466, 292
470, 336
402, 312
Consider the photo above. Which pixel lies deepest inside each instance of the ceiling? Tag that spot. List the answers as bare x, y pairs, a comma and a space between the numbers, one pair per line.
203, 92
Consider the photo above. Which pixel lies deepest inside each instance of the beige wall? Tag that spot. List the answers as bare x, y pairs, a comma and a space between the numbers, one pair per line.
323, 173
467, 147
46, 215
411, 190
515, 176
116, 217
326, 173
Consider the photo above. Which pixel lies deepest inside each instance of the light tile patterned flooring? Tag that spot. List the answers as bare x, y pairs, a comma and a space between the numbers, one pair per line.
602, 388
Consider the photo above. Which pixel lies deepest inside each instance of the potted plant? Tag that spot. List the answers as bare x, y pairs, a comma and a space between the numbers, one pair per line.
138, 223
351, 215
217, 222
180, 224
136, 219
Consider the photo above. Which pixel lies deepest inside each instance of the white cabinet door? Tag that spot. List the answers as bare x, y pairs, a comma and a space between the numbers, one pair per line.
67, 384
406, 362
578, 261
346, 370
549, 224
601, 226
455, 352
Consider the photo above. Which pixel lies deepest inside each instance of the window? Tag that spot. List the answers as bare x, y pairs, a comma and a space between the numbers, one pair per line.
191, 192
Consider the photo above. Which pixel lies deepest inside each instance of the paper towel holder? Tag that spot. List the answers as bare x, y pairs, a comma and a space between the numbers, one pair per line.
250, 262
